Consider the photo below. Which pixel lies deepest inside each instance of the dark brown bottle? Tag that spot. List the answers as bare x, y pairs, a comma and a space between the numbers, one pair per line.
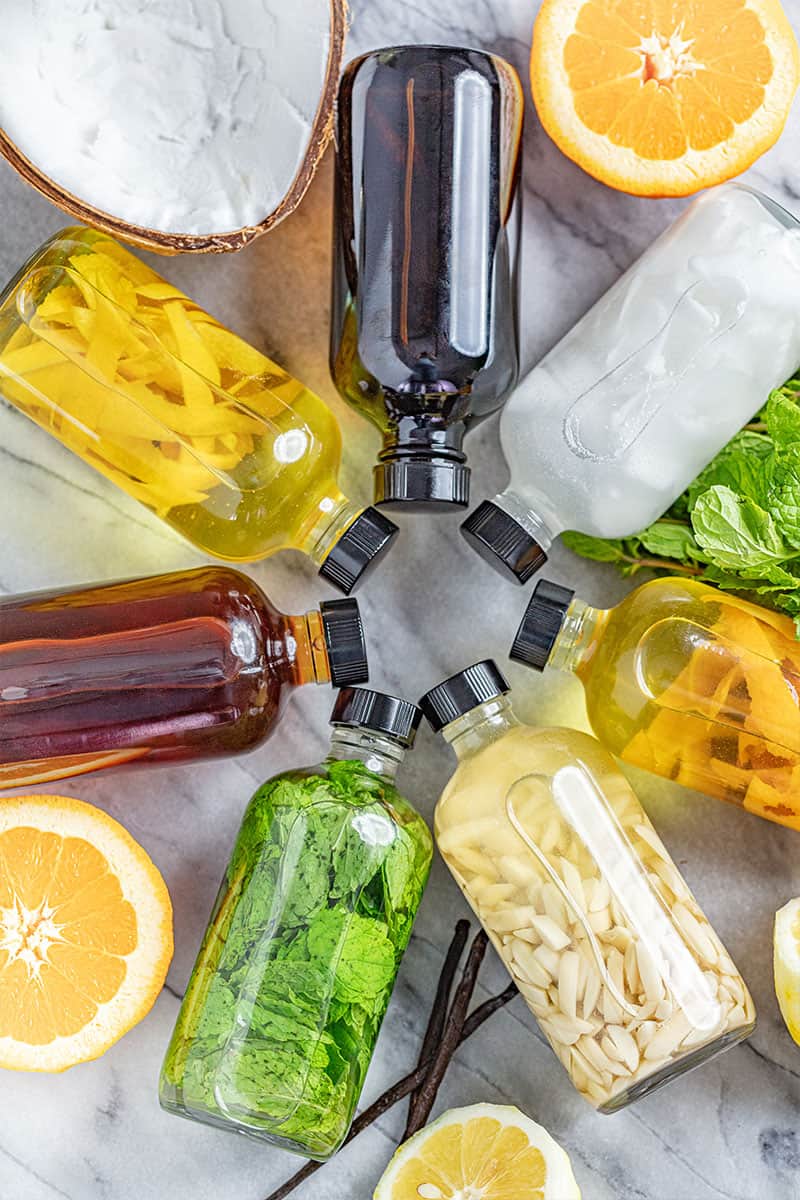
174, 667
424, 328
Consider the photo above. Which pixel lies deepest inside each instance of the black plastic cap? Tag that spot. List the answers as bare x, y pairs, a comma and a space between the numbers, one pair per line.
503, 542
359, 546
541, 624
361, 708
462, 692
422, 481
344, 641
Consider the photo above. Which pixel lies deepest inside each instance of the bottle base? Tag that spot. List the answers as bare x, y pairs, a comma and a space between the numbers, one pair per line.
672, 1070
216, 1121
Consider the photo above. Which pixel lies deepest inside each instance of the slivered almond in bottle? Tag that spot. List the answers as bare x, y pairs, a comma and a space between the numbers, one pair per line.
627, 977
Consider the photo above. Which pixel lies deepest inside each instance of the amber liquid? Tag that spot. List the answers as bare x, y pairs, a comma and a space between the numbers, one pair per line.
179, 666
704, 688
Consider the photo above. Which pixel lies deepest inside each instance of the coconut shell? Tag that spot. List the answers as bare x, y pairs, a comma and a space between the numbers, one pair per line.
194, 243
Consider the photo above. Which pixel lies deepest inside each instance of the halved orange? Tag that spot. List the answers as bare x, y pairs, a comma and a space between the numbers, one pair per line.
663, 97
85, 932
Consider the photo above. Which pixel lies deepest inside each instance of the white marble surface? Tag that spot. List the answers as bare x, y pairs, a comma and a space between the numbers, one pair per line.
730, 1130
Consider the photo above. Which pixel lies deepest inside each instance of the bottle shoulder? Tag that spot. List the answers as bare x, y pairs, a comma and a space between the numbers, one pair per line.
344, 790
481, 781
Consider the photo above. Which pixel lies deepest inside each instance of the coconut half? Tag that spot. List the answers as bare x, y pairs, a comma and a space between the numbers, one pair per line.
177, 125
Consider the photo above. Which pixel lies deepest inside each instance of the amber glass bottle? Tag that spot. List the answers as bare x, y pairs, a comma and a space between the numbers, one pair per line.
164, 669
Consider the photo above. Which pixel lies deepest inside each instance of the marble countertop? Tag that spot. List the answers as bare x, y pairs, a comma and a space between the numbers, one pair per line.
730, 1130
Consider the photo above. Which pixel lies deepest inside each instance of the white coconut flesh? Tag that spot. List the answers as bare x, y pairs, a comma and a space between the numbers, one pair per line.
182, 116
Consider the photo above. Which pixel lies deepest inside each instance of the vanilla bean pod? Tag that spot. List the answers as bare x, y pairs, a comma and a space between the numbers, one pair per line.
451, 1036
438, 1017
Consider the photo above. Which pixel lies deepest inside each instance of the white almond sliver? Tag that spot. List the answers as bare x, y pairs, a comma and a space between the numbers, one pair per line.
473, 860
573, 882
667, 1039
550, 933
601, 894
644, 1034
600, 921
548, 959
510, 919
649, 835
695, 934
632, 981
551, 836
528, 965
553, 905
515, 870
625, 1045
568, 972
591, 993
649, 974
468, 833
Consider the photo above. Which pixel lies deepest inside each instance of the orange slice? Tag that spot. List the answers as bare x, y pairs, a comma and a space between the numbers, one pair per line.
663, 97
24, 774
85, 932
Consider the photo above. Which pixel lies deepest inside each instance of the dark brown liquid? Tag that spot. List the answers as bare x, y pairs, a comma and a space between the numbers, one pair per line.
178, 666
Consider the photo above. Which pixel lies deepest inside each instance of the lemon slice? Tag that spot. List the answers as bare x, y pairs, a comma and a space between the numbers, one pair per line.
484, 1152
787, 965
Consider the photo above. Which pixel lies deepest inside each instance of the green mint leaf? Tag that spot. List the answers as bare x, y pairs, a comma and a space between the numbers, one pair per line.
671, 539
784, 493
743, 466
783, 414
737, 533
361, 950
597, 549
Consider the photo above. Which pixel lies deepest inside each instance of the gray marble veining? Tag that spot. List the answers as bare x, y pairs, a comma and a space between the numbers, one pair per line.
730, 1131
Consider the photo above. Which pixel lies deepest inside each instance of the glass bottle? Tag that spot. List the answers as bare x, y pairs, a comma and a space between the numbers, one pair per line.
182, 414
424, 325
644, 390
282, 1012
544, 835
683, 680
157, 670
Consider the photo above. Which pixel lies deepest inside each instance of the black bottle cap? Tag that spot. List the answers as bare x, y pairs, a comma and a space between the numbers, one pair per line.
541, 624
462, 692
422, 481
503, 542
362, 708
344, 641
359, 546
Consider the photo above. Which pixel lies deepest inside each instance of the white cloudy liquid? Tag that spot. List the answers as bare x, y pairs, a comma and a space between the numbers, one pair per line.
644, 390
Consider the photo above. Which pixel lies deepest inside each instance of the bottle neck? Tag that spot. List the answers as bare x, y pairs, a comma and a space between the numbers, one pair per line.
305, 648
578, 638
380, 754
330, 516
542, 526
480, 726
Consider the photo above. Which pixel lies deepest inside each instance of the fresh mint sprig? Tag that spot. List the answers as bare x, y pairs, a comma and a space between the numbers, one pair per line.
737, 526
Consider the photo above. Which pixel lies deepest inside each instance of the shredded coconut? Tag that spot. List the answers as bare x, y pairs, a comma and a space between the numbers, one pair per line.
185, 116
